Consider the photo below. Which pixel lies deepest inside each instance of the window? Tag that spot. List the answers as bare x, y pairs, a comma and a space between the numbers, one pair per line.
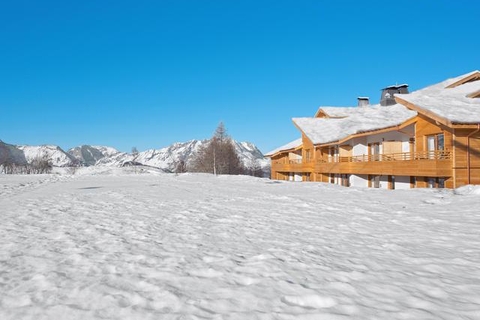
307, 155
374, 181
440, 183
374, 151
333, 154
413, 182
345, 180
435, 143
391, 182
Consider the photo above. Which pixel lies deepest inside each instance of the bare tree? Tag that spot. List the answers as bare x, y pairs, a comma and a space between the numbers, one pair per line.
181, 167
41, 165
218, 155
254, 168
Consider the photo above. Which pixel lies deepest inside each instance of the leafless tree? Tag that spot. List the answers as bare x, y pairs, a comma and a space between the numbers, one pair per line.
218, 155
254, 168
181, 167
41, 165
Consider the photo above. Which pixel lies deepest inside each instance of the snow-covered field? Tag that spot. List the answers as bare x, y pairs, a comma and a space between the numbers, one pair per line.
109, 244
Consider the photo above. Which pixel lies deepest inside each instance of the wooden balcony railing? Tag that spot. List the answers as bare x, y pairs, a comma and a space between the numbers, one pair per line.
403, 156
293, 161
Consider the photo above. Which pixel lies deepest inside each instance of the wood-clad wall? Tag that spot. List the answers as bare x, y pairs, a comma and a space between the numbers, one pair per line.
426, 127
307, 146
461, 157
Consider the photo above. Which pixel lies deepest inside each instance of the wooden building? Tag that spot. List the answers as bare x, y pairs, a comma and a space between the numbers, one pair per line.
427, 138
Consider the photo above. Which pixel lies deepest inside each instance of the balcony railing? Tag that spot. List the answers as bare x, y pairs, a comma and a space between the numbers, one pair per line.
293, 161
403, 156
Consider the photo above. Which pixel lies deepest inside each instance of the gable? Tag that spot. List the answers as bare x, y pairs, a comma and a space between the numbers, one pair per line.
321, 114
471, 78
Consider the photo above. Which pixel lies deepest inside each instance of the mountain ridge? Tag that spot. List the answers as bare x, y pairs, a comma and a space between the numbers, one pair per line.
166, 158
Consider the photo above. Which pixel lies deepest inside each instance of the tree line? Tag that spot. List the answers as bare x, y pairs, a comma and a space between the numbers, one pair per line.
39, 165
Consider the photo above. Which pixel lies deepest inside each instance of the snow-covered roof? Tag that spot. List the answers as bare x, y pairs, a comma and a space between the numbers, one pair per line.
396, 86
336, 112
288, 146
452, 104
357, 120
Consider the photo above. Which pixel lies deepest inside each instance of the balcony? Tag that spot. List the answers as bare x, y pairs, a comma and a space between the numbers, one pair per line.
404, 156
293, 165
424, 163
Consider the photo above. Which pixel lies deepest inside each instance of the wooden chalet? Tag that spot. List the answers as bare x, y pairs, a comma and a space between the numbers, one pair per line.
426, 138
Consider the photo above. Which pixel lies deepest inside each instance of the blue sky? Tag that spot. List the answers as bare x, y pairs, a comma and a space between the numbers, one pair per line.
150, 73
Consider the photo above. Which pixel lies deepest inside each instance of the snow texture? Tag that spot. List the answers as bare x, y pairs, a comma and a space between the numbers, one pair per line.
449, 103
325, 130
108, 244
338, 112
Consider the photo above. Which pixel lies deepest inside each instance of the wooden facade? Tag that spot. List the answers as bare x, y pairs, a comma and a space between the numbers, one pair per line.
427, 150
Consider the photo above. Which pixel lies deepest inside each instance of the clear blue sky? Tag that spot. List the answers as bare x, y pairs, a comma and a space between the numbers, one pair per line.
150, 73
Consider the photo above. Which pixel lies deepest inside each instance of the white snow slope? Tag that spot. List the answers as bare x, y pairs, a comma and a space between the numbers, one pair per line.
108, 244
55, 154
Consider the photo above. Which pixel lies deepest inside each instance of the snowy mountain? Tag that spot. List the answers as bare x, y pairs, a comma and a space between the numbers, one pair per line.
165, 158
55, 154
90, 155
26, 154
11, 154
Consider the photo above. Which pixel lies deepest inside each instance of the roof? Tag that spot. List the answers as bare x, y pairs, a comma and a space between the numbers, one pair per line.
356, 120
336, 112
457, 104
288, 146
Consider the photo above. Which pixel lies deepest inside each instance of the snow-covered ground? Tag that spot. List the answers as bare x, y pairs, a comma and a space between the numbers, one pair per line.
109, 244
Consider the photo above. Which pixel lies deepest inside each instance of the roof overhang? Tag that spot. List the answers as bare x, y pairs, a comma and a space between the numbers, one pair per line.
473, 95
473, 77
427, 113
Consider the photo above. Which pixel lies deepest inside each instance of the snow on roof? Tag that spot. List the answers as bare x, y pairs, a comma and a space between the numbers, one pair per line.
337, 112
396, 86
452, 104
290, 145
325, 130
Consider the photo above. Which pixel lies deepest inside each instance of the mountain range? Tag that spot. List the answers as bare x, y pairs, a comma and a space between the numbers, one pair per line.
165, 158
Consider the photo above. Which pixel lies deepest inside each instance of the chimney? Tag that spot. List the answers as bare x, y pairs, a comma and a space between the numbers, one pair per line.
363, 101
387, 98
